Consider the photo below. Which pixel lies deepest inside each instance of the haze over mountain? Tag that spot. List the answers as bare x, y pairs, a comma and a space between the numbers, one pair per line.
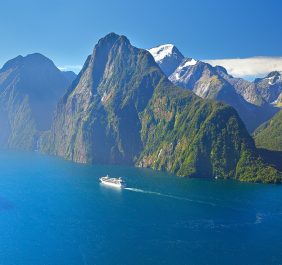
215, 83
69, 75
30, 88
122, 109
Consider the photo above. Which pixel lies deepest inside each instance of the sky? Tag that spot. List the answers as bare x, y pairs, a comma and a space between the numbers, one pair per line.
217, 31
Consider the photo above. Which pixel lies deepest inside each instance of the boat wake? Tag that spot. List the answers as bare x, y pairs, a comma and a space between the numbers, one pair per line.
170, 196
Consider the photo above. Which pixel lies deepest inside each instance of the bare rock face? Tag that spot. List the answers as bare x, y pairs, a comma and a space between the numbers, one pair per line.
278, 102
262, 91
269, 87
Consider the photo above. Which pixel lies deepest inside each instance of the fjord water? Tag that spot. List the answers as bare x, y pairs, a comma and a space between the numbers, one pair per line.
55, 212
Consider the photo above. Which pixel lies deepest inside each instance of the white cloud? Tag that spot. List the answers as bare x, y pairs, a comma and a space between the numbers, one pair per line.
247, 67
74, 68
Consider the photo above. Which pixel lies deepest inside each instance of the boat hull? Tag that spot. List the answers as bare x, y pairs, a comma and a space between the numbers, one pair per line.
112, 184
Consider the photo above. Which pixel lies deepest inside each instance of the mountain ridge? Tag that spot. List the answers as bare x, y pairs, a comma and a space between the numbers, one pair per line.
122, 109
212, 82
30, 87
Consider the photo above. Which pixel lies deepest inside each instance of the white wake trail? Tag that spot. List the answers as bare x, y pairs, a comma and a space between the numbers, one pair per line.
170, 196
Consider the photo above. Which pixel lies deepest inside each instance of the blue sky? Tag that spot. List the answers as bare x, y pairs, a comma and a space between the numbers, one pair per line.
66, 31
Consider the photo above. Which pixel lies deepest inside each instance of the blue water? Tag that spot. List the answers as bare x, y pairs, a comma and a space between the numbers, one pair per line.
54, 212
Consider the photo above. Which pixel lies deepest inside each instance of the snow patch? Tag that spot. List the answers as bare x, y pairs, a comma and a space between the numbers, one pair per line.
189, 62
270, 80
183, 69
273, 79
104, 97
162, 51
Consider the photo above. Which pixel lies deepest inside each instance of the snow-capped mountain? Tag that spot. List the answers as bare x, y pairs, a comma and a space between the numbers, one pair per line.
182, 71
215, 83
269, 87
168, 57
271, 79
262, 91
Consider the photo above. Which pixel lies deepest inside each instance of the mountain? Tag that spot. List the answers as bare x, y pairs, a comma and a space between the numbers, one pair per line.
270, 86
69, 75
203, 79
269, 135
263, 90
215, 83
121, 109
30, 88
168, 57
278, 101
244, 88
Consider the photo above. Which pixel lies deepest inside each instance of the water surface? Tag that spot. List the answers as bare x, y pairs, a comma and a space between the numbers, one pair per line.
55, 212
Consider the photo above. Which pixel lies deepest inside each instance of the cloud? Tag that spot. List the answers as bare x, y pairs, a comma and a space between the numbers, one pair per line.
74, 68
249, 67
245, 67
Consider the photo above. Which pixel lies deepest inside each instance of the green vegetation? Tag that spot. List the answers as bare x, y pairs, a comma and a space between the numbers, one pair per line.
269, 135
122, 109
192, 137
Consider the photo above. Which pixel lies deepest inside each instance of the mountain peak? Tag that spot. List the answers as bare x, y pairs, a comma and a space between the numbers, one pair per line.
30, 86
274, 74
221, 69
271, 79
166, 50
30, 59
167, 56
112, 37
109, 40
38, 58
109, 37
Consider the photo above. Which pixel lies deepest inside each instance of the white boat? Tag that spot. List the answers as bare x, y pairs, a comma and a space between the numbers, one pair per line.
114, 182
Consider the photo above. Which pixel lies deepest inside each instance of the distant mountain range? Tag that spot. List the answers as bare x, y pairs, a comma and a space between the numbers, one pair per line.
254, 101
30, 88
128, 107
